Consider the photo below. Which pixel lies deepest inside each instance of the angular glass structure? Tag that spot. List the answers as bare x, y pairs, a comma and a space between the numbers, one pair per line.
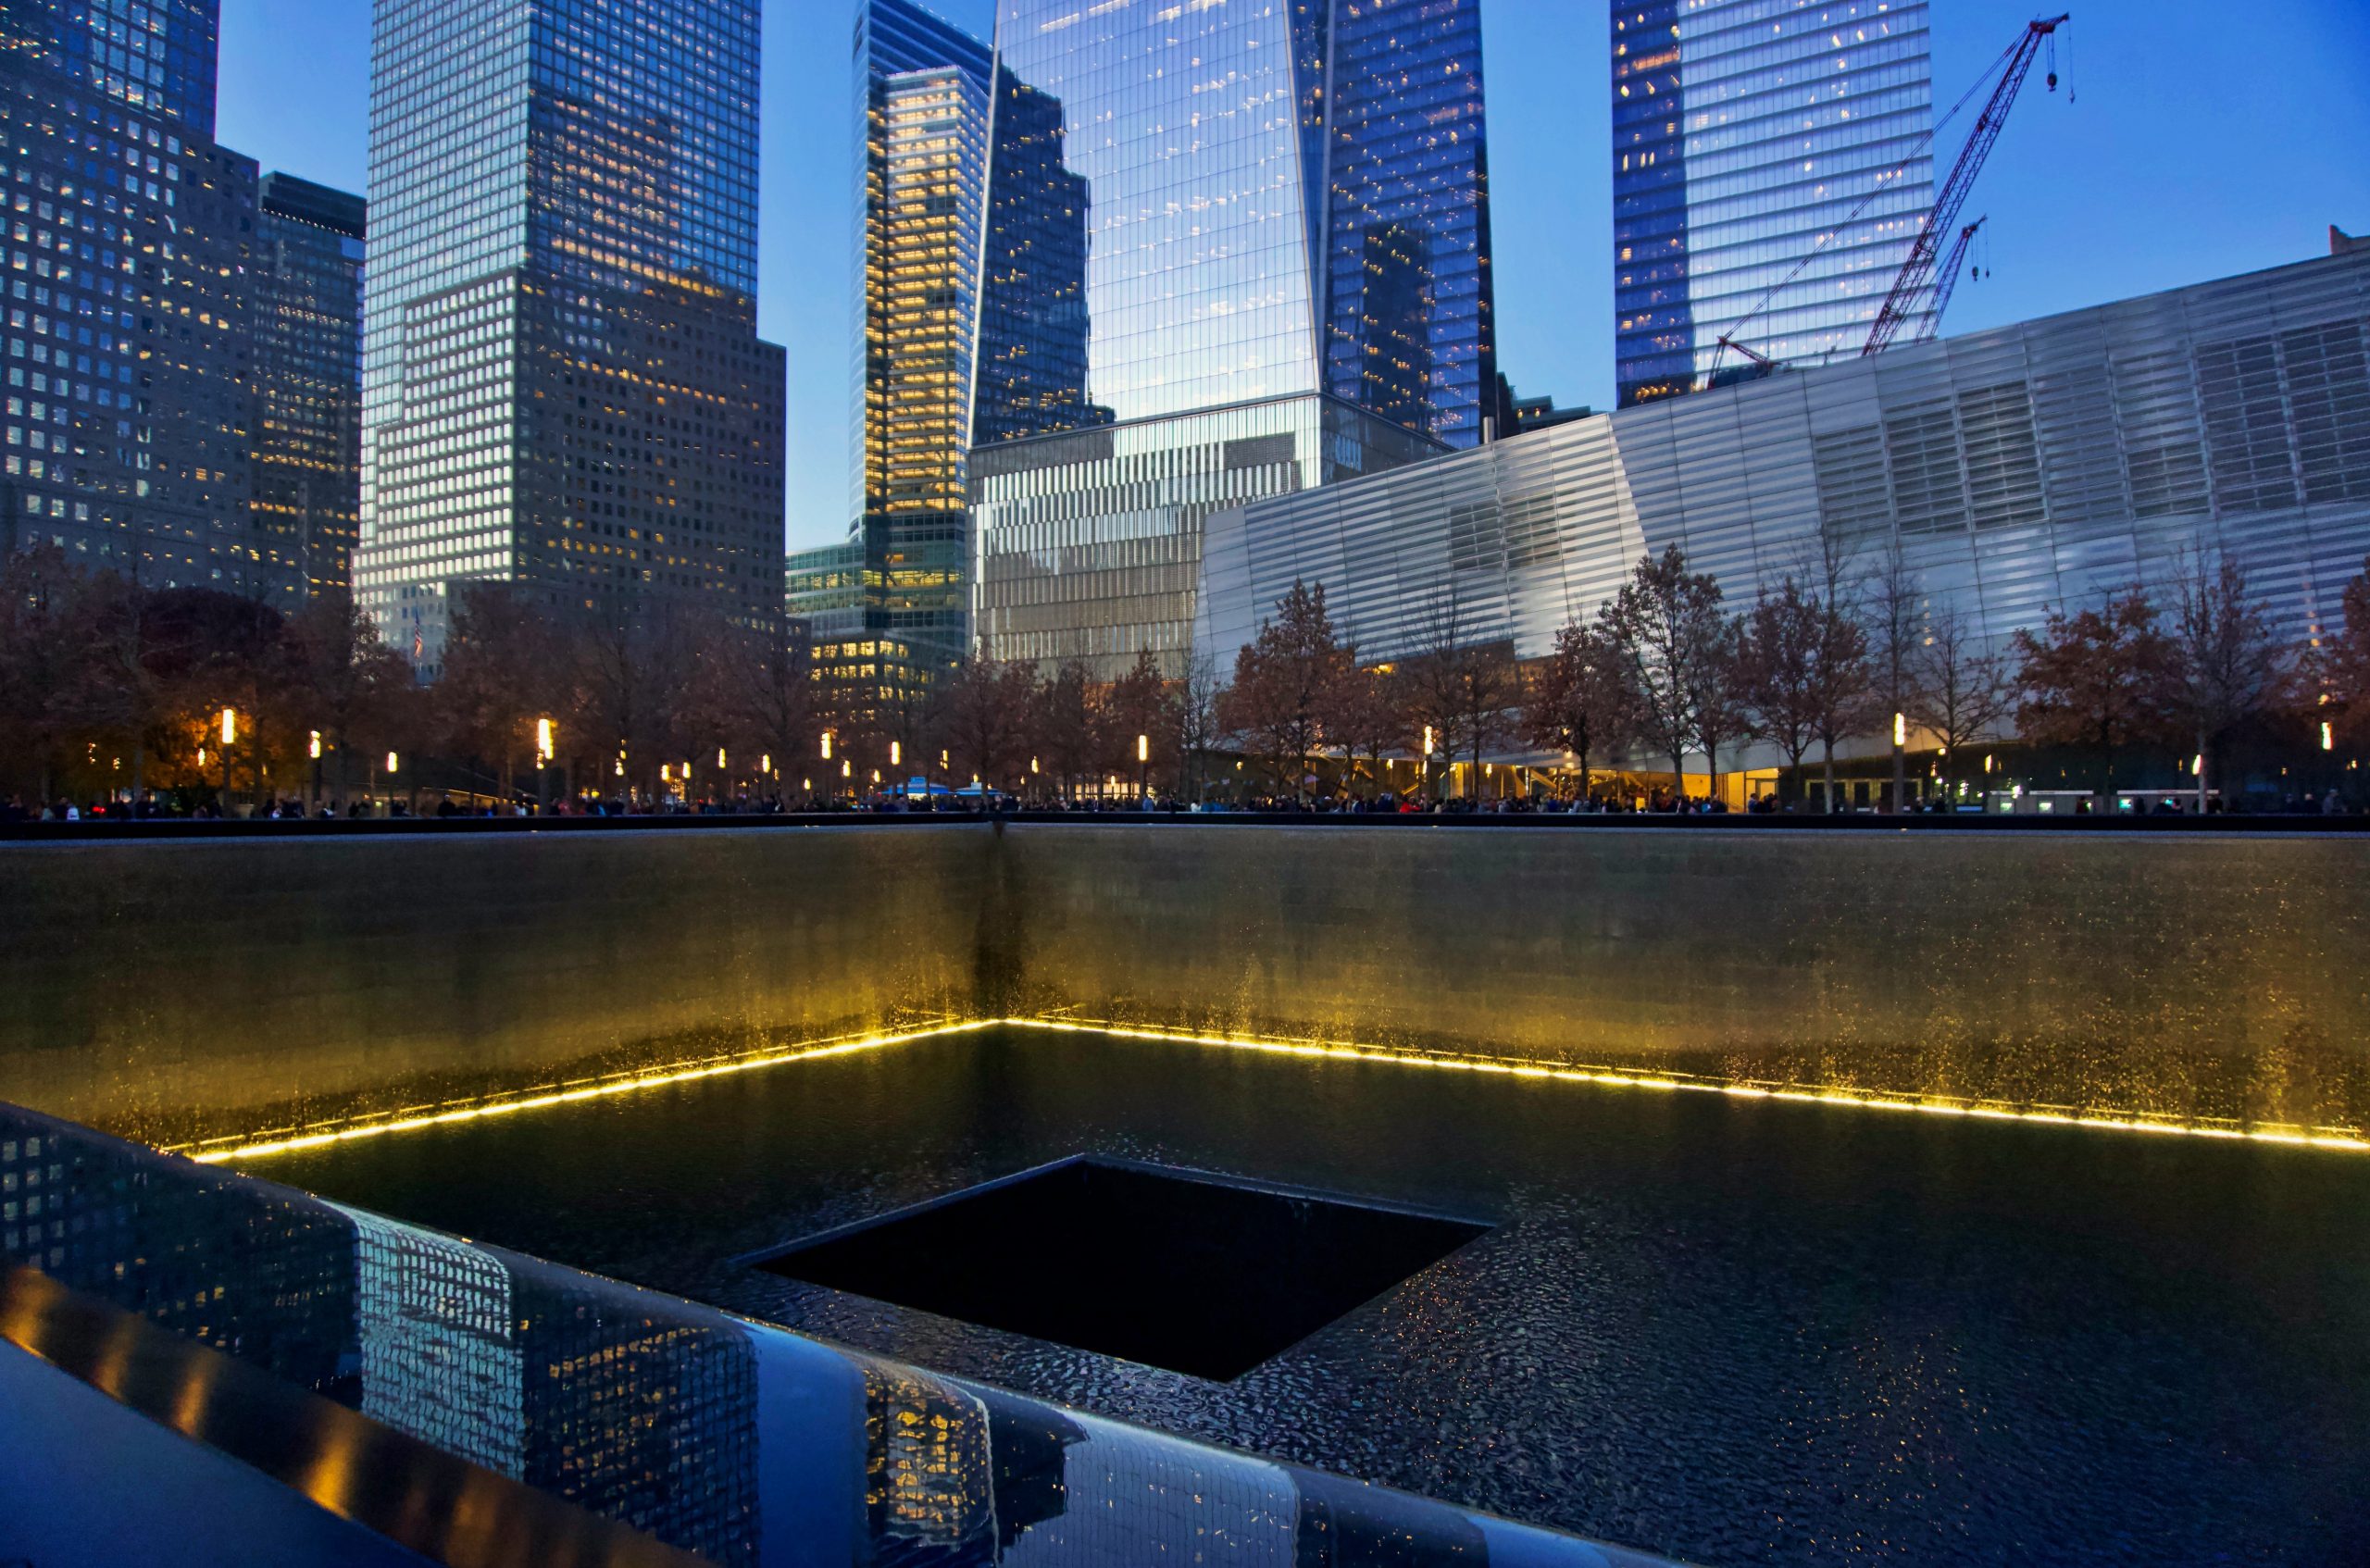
128, 410
1772, 166
562, 383
1251, 243
307, 369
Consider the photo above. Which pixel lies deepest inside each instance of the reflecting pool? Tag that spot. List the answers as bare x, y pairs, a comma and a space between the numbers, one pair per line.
1735, 1332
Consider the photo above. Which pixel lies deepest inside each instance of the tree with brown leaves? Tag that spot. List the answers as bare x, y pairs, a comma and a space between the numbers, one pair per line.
2096, 679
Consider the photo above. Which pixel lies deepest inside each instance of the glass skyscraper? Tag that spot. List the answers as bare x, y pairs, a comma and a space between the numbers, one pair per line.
1752, 138
128, 407
158, 56
1231, 251
562, 382
307, 374
922, 88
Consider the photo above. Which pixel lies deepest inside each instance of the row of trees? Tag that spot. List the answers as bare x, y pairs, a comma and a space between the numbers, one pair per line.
105, 686
1835, 652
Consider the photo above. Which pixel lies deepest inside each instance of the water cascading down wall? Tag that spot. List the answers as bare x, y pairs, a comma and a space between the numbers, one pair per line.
226, 988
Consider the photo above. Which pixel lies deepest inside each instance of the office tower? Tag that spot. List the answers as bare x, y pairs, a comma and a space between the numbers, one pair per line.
1231, 252
563, 387
922, 89
127, 413
156, 56
1771, 168
307, 275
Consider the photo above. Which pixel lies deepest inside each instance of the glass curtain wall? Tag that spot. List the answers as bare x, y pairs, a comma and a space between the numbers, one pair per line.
1772, 168
562, 383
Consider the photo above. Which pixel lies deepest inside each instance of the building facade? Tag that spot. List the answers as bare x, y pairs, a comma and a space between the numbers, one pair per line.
307, 371
128, 270
1231, 252
922, 88
1772, 166
563, 386
2020, 470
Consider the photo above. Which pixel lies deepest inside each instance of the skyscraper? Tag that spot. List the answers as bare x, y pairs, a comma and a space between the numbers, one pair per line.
308, 372
128, 408
922, 91
1231, 252
1771, 168
563, 386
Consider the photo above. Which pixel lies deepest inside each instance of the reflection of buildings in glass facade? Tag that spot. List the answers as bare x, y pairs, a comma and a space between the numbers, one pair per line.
2021, 469
1264, 205
1092, 540
562, 383
1031, 367
307, 368
128, 414
1409, 311
1748, 134
157, 57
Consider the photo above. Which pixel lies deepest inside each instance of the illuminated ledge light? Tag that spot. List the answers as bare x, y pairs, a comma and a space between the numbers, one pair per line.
1617, 1078
1866, 1100
222, 1151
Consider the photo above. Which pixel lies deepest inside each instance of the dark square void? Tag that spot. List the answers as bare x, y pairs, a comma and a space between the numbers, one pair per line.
1177, 1269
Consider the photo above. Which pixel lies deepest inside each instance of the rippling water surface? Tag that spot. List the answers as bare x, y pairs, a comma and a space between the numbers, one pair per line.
1735, 1332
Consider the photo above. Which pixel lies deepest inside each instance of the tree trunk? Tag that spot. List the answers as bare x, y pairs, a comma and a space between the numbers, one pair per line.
1829, 804
139, 777
1899, 779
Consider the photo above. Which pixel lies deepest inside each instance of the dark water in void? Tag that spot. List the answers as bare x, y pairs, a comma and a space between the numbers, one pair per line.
1734, 1332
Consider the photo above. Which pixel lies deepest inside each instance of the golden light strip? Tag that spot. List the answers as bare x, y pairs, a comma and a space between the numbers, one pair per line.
1615, 1077
2321, 1138
600, 1090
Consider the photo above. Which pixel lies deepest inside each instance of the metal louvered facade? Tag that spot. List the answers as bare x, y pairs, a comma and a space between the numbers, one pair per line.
2022, 469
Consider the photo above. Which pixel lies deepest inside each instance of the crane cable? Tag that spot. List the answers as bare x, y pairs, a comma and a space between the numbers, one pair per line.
1924, 143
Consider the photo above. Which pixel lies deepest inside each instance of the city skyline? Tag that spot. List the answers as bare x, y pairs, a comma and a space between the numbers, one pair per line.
2163, 206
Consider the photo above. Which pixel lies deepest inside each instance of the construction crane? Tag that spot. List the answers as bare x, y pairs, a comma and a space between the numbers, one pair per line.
1946, 278
1917, 274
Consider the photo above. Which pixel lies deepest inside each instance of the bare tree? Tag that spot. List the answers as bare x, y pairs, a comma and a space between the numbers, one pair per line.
1783, 669
1580, 702
1666, 626
1364, 716
1282, 681
1465, 688
1960, 689
983, 717
1198, 697
2226, 665
2096, 679
1893, 606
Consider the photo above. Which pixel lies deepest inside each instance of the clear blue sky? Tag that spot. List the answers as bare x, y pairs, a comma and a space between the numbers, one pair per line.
2202, 140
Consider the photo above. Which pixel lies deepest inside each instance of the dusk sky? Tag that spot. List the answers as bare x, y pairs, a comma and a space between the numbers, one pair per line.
2186, 140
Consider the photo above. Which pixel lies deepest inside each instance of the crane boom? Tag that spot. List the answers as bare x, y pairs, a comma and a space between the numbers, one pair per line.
1946, 279
1916, 274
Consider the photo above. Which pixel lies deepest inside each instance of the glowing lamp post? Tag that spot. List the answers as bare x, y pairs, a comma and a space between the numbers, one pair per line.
230, 738
1143, 761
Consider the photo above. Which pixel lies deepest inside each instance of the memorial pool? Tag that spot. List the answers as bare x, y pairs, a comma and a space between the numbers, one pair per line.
1733, 1331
